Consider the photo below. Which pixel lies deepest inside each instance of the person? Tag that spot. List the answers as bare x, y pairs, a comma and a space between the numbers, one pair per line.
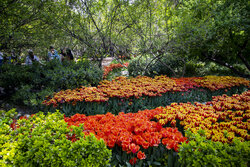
1, 59
31, 58
53, 54
63, 54
69, 54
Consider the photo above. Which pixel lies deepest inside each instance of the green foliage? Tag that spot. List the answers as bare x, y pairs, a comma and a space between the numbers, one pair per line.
136, 67
202, 152
215, 31
6, 117
44, 141
73, 75
186, 69
156, 157
162, 67
194, 68
30, 84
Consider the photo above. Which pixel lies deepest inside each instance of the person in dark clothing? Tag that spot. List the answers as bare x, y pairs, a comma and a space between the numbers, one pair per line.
63, 54
69, 54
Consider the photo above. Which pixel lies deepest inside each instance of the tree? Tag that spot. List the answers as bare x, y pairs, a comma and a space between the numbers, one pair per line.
215, 30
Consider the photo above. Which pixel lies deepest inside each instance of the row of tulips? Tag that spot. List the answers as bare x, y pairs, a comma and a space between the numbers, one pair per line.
123, 87
222, 119
131, 133
132, 94
111, 67
216, 82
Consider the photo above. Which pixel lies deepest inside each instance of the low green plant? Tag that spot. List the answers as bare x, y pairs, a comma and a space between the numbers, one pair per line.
47, 141
6, 117
200, 151
156, 157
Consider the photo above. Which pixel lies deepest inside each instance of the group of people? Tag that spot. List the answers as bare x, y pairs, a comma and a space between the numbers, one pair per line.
65, 54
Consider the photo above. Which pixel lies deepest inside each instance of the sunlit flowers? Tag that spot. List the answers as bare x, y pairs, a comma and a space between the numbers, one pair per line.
223, 119
142, 86
132, 131
221, 82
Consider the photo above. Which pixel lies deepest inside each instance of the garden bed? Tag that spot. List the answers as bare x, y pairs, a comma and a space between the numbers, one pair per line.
181, 134
132, 94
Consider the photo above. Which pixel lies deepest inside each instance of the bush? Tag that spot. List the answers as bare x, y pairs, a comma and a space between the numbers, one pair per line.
47, 141
6, 117
202, 152
73, 75
29, 85
192, 68
157, 67
136, 67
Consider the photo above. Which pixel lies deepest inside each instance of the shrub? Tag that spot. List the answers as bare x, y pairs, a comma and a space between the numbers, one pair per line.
136, 67
151, 67
47, 141
73, 75
6, 117
202, 152
28, 85
194, 68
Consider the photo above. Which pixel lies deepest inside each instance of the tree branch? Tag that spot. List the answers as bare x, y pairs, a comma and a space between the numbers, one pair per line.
228, 66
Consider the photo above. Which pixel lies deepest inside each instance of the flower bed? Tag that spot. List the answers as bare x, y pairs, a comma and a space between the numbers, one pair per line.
141, 139
132, 136
225, 119
133, 94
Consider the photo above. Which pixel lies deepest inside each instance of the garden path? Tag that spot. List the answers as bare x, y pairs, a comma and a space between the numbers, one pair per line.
106, 61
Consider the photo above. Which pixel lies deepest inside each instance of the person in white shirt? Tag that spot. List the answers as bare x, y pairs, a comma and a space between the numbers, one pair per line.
31, 58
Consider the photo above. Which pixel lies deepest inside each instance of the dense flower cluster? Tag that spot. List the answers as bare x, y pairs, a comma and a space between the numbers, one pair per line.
87, 94
111, 67
131, 131
221, 82
223, 119
185, 84
123, 87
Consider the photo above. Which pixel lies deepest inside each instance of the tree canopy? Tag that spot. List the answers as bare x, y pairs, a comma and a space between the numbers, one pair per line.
206, 30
